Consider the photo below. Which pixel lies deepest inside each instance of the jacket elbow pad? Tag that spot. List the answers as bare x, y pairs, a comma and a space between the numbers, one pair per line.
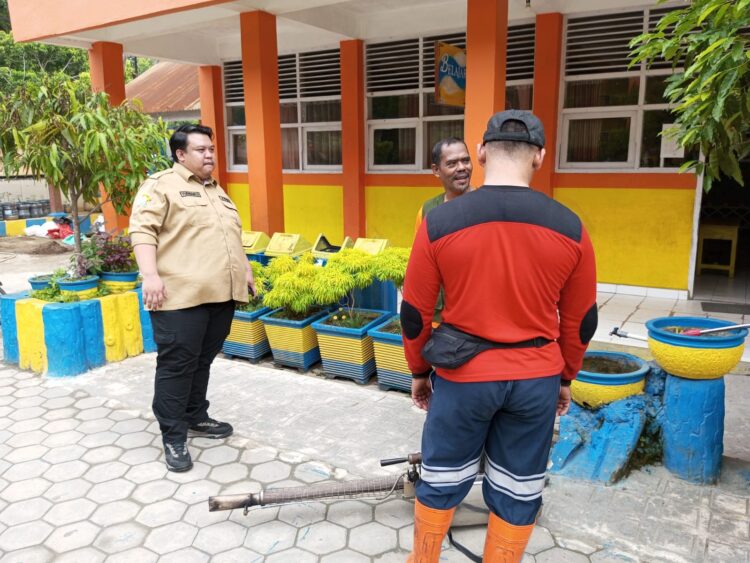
411, 320
589, 324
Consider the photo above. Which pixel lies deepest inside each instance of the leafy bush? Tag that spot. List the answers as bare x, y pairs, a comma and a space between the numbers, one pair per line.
260, 276
107, 253
292, 284
390, 265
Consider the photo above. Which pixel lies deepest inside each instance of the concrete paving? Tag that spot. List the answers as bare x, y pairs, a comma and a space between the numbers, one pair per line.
82, 478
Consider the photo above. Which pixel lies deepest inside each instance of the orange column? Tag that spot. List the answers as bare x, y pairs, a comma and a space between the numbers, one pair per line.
263, 120
353, 136
547, 61
212, 115
486, 46
108, 75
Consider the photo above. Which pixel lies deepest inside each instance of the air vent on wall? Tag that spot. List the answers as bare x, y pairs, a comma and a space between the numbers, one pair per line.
234, 90
320, 73
394, 65
287, 77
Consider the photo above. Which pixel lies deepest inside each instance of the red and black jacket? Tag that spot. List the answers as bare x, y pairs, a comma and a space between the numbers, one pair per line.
515, 265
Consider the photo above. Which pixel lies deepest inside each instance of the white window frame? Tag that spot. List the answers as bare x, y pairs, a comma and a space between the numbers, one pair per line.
232, 130
401, 123
302, 128
318, 126
614, 112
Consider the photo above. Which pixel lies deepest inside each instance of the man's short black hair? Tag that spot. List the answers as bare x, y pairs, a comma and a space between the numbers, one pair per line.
178, 140
437, 150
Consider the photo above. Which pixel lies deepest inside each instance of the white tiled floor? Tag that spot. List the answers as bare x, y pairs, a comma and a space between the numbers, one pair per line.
718, 286
630, 313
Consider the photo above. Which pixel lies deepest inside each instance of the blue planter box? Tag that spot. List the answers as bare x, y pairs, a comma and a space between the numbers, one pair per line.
348, 352
247, 338
293, 343
393, 371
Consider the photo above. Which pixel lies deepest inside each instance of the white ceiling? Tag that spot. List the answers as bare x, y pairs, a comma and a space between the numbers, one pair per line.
211, 34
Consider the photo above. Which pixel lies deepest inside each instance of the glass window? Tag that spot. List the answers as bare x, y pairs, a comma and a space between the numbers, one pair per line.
606, 92
289, 112
323, 148
436, 130
655, 86
290, 148
239, 149
431, 108
519, 96
651, 141
394, 107
395, 146
235, 115
321, 111
599, 140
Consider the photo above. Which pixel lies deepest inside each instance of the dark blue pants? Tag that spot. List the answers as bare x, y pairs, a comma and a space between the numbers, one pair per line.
187, 341
511, 421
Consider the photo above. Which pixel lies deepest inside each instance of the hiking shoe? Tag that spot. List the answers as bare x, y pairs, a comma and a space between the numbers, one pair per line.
211, 428
177, 456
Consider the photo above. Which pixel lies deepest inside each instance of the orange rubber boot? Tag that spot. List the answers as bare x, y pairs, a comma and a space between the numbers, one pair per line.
505, 542
430, 527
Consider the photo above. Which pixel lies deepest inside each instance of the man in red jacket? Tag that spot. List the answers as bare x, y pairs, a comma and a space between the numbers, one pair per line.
519, 278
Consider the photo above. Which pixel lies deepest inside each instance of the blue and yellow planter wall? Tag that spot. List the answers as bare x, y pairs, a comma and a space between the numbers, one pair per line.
16, 227
293, 343
247, 337
64, 339
393, 371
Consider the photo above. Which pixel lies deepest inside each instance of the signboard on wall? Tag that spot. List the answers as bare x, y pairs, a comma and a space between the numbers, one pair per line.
670, 148
450, 74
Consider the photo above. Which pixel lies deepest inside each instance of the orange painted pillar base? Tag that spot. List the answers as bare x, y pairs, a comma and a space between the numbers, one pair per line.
108, 75
486, 47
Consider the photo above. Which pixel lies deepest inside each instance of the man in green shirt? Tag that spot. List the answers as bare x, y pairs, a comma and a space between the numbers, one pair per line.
452, 164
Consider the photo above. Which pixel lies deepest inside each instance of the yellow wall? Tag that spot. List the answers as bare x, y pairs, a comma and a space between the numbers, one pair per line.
392, 211
641, 236
240, 194
311, 210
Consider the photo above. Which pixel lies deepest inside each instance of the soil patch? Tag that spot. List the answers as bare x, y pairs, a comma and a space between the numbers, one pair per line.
32, 245
600, 364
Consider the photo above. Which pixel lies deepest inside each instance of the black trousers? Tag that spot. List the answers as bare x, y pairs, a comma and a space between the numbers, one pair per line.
187, 341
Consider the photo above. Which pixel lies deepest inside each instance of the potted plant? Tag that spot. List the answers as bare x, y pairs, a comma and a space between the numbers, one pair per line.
40, 282
112, 258
345, 348
291, 296
79, 281
247, 337
393, 371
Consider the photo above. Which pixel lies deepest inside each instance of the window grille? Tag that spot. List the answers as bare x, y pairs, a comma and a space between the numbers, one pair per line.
320, 73
394, 65
234, 90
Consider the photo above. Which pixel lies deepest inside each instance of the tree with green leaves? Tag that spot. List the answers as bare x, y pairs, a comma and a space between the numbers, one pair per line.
61, 131
708, 44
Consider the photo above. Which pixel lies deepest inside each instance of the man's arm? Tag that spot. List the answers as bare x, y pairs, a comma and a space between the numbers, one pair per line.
146, 220
421, 287
578, 311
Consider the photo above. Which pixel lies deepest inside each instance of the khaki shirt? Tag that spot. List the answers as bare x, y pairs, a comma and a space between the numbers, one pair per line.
198, 237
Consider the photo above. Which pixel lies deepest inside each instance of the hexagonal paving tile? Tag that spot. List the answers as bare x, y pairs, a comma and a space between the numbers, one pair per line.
135, 440
350, 513
36, 554
154, 491
299, 515
58, 403
187, 555
162, 512
24, 511
72, 536
198, 472
141, 455
219, 455
90, 402
559, 555
108, 491
93, 414
102, 454
124, 414
346, 556
197, 515
28, 392
270, 537
146, 472
61, 425
99, 439
22, 490
238, 555
27, 439
66, 471
28, 425
171, 537
27, 413
312, 472
60, 414
115, 512
198, 491
270, 471
87, 554
322, 538
395, 513
24, 535
372, 539
94, 426
120, 537
294, 554
540, 540
259, 455
68, 490
229, 473
70, 511
131, 425
220, 537
26, 470
66, 438
139, 554
106, 472
62, 454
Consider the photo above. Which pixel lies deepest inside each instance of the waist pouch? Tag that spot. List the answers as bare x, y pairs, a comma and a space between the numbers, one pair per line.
450, 348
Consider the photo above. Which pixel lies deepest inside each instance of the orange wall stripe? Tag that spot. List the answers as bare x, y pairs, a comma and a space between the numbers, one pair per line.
32, 21
212, 115
353, 136
547, 61
263, 119
486, 46
625, 180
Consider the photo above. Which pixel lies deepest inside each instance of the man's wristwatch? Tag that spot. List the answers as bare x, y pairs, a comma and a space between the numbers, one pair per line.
565, 382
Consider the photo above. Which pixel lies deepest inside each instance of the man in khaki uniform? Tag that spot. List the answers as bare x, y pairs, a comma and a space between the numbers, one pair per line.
187, 238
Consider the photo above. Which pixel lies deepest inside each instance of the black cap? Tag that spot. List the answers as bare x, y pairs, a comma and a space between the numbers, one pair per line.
534, 133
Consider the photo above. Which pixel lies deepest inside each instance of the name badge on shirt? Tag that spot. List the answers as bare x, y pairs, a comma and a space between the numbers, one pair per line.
225, 199
190, 194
